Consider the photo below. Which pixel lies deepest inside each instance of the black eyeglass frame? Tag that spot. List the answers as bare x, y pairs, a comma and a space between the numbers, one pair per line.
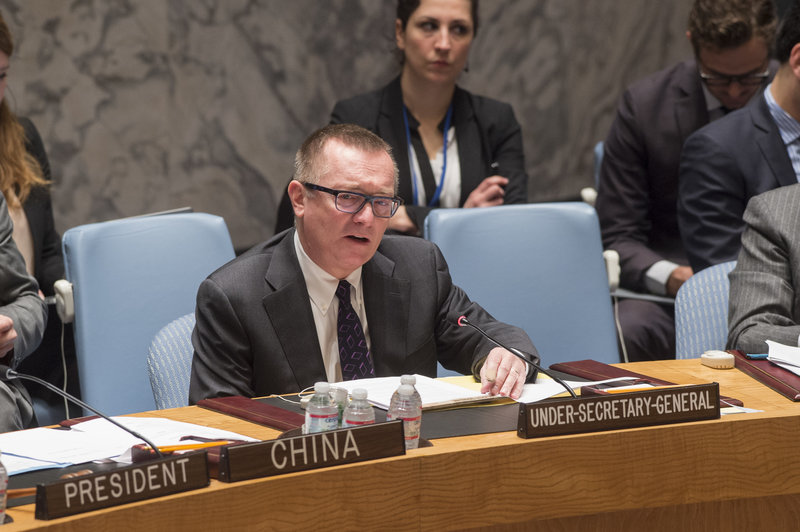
746, 80
396, 201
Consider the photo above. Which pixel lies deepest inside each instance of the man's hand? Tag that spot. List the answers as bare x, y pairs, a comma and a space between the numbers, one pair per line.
7, 335
678, 276
503, 374
489, 193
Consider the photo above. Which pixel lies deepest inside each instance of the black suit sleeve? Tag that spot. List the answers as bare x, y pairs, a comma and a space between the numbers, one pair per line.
711, 201
48, 260
222, 364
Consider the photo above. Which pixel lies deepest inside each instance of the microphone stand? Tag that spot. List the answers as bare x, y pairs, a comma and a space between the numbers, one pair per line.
11, 374
463, 321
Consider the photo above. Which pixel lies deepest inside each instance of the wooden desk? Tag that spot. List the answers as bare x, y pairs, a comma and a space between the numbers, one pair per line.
738, 473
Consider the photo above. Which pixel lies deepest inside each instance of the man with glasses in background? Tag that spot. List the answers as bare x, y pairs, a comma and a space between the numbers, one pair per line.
638, 186
334, 299
748, 152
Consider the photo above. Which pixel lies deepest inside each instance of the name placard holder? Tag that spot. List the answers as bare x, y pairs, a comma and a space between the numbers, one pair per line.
612, 411
138, 482
311, 451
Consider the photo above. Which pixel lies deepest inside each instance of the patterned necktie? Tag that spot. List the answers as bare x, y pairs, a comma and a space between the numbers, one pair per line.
354, 355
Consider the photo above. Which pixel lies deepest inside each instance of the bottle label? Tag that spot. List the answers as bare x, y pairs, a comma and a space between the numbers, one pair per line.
356, 423
321, 422
411, 426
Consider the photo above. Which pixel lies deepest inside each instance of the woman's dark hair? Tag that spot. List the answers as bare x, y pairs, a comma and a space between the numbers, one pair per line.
406, 7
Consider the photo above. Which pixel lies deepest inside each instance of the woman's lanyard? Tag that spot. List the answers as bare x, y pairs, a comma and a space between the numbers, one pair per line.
435, 199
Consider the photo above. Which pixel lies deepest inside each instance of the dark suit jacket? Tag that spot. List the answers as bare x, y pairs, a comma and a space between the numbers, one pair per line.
638, 188
486, 130
48, 262
765, 285
255, 332
723, 165
639, 175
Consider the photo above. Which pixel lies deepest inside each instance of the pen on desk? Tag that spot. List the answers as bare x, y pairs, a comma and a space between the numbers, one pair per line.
190, 446
640, 388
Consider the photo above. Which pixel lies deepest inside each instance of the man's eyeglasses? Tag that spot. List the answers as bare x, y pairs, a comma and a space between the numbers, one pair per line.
748, 80
352, 202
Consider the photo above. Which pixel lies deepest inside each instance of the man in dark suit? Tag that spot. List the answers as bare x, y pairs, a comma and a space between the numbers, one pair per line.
763, 301
271, 320
638, 184
748, 152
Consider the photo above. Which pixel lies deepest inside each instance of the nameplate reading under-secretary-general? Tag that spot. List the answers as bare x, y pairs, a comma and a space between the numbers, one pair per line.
312, 451
145, 480
619, 410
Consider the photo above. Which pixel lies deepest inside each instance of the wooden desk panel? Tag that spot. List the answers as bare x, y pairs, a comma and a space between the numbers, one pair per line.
713, 475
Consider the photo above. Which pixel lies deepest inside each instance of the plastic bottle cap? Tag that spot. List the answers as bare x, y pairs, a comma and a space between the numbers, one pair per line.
717, 359
408, 379
359, 393
322, 387
405, 389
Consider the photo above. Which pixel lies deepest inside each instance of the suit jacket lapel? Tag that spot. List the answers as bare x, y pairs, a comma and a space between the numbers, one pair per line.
294, 328
468, 136
690, 103
392, 129
387, 301
771, 144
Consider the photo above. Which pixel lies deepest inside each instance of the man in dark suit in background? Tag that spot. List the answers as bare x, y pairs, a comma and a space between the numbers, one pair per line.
271, 321
748, 152
638, 184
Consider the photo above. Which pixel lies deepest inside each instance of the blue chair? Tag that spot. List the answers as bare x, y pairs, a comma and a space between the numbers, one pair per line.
129, 277
701, 312
537, 266
169, 363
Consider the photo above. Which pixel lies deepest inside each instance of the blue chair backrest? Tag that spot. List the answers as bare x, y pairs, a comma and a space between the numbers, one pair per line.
169, 363
129, 278
537, 266
701, 312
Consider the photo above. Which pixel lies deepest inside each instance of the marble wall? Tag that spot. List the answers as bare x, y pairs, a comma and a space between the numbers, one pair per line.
147, 105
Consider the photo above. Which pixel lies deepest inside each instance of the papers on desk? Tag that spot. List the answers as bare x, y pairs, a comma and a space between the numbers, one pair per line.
438, 393
27, 450
785, 356
435, 393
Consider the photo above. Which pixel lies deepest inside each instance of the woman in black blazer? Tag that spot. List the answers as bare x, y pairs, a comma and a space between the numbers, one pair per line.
24, 181
482, 161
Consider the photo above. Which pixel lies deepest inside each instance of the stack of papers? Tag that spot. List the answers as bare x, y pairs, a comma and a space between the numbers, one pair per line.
785, 356
42, 448
438, 393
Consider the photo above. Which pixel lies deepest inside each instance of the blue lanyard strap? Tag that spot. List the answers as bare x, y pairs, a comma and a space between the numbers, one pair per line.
434, 201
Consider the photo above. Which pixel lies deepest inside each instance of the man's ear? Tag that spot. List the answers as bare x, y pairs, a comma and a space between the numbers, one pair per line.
297, 197
794, 60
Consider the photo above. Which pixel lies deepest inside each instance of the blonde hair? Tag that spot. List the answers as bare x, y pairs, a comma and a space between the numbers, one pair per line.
19, 170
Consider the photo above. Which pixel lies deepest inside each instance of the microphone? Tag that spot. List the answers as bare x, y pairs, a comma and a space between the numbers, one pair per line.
6, 374
463, 321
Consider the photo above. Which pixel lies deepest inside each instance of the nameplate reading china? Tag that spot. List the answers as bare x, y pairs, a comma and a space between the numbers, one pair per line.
141, 481
619, 410
311, 451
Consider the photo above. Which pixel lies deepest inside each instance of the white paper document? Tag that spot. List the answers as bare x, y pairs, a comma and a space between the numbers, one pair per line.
785, 356
95, 440
436, 393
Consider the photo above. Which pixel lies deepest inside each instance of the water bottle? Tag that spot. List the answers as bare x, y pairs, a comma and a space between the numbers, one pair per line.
406, 379
408, 410
3, 486
321, 413
359, 412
